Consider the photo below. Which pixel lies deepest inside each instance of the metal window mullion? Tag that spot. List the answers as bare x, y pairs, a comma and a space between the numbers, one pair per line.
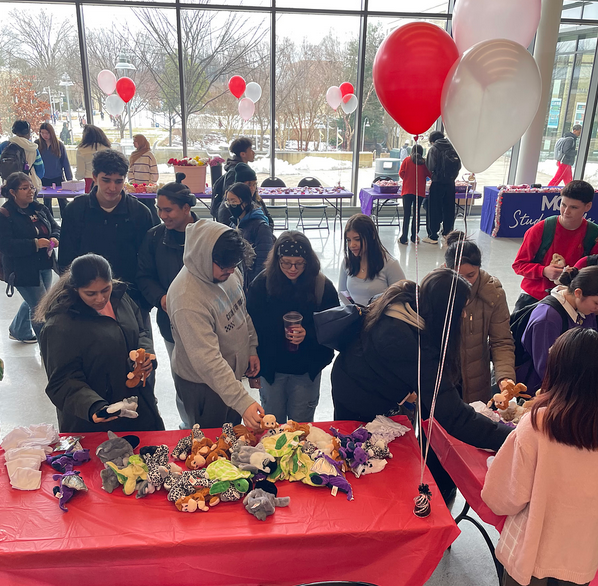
586, 129
273, 89
84, 64
179, 29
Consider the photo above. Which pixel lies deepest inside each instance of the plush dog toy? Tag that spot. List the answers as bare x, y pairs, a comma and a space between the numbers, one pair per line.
510, 391
262, 504
137, 376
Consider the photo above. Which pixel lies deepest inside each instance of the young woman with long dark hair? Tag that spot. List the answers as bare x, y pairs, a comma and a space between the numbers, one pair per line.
91, 326
56, 163
368, 269
93, 140
545, 477
291, 359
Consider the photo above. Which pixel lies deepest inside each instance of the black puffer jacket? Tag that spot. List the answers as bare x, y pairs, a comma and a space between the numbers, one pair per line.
379, 369
266, 313
21, 260
160, 259
86, 356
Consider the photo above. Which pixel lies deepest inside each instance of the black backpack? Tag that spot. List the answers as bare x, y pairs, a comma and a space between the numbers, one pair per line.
12, 160
217, 195
519, 320
449, 164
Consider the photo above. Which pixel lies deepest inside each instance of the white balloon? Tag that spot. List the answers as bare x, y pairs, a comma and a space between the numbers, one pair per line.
246, 108
107, 81
253, 91
114, 105
334, 97
475, 21
349, 103
489, 99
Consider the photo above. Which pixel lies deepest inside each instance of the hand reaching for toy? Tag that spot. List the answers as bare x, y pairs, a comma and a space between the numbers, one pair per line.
504, 383
254, 367
253, 415
552, 273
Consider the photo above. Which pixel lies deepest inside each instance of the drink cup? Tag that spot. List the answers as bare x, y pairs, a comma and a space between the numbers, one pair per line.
291, 320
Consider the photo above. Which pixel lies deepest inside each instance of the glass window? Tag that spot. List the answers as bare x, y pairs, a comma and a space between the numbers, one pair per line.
258, 3
425, 6
314, 52
40, 68
569, 90
328, 5
141, 44
219, 45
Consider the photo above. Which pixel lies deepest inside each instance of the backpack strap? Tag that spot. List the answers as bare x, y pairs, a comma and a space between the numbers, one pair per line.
548, 232
556, 304
590, 238
320, 284
4, 212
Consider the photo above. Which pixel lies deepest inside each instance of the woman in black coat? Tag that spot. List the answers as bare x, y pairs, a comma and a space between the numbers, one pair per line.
291, 281
28, 235
379, 370
249, 218
91, 326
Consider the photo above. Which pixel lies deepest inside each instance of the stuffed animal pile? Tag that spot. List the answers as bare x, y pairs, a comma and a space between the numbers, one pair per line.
240, 466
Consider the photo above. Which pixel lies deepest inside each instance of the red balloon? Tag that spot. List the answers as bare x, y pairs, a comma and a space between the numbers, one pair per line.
236, 85
125, 88
409, 71
346, 89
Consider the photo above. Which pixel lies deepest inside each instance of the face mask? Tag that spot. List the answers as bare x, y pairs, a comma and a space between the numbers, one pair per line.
236, 211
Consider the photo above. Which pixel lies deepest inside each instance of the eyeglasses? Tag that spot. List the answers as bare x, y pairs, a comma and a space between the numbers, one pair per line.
27, 188
238, 265
285, 264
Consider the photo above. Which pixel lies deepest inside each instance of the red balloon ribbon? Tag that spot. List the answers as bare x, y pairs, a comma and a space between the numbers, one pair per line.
409, 71
125, 88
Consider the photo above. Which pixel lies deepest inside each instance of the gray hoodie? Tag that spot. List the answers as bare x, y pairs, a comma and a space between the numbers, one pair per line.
213, 333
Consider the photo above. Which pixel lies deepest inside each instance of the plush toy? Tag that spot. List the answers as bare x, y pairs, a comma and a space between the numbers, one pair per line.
351, 447
200, 449
378, 450
65, 462
230, 482
220, 450
371, 467
184, 445
125, 408
189, 482
262, 504
292, 463
170, 475
269, 425
117, 450
328, 472
510, 391
319, 437
558, 261
198, 501
128, 476
70, 483
254, 459
154, 457
245, 435
137, 376
291, 425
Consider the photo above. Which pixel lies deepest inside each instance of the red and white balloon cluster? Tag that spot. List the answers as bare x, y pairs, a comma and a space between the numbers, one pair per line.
484, 83
252, 91
125, 90
343, 96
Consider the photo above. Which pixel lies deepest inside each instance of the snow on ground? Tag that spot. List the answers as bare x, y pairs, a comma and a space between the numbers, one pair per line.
307, 165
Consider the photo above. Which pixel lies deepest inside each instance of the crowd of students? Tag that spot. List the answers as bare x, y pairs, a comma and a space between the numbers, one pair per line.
224, 289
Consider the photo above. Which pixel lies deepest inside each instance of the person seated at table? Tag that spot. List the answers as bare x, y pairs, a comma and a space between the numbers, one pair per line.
160, 257
143, 168
291, 282
545, 476
27, 233
413, 171
93, 141
56, 163
244, 174
378, 373
90, 327
569, 236
485, 331
577, 294
367, 269
249, 218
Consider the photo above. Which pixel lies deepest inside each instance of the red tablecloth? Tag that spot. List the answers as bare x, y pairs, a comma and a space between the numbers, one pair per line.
467, 466
115, 539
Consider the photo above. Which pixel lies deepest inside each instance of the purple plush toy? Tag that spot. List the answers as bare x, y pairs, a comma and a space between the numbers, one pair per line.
70, 482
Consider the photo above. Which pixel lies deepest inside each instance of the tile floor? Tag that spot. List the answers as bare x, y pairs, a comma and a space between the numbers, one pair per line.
23, 401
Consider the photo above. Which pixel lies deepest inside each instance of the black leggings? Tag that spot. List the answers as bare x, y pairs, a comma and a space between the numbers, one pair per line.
408, 209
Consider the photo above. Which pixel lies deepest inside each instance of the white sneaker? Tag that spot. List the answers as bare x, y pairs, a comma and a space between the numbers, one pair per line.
429, 240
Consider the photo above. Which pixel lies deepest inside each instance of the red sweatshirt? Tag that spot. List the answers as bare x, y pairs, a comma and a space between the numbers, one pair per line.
567, 243
407, 173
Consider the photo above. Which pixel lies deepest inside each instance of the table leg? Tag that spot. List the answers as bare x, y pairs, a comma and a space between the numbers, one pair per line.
463, 516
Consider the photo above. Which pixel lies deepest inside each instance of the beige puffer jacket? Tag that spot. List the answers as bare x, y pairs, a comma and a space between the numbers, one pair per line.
485, 337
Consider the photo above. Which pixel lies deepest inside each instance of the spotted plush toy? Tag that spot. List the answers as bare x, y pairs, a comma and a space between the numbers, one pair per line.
184, 445
188, 483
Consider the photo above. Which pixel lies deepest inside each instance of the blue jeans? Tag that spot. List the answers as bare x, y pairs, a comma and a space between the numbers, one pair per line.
294, 396
21, 326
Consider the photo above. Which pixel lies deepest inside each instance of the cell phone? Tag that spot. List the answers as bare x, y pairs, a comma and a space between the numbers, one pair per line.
347, 297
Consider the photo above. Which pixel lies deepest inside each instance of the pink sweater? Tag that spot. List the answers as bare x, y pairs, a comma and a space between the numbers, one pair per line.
550, 493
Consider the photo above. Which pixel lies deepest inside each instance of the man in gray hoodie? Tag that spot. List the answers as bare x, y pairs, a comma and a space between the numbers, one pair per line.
215, 341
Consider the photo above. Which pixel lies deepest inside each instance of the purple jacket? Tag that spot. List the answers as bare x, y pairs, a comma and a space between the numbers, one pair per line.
544, 327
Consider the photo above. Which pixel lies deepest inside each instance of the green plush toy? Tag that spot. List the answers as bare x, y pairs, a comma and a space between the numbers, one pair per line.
293, 464
230, 482
129, 475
